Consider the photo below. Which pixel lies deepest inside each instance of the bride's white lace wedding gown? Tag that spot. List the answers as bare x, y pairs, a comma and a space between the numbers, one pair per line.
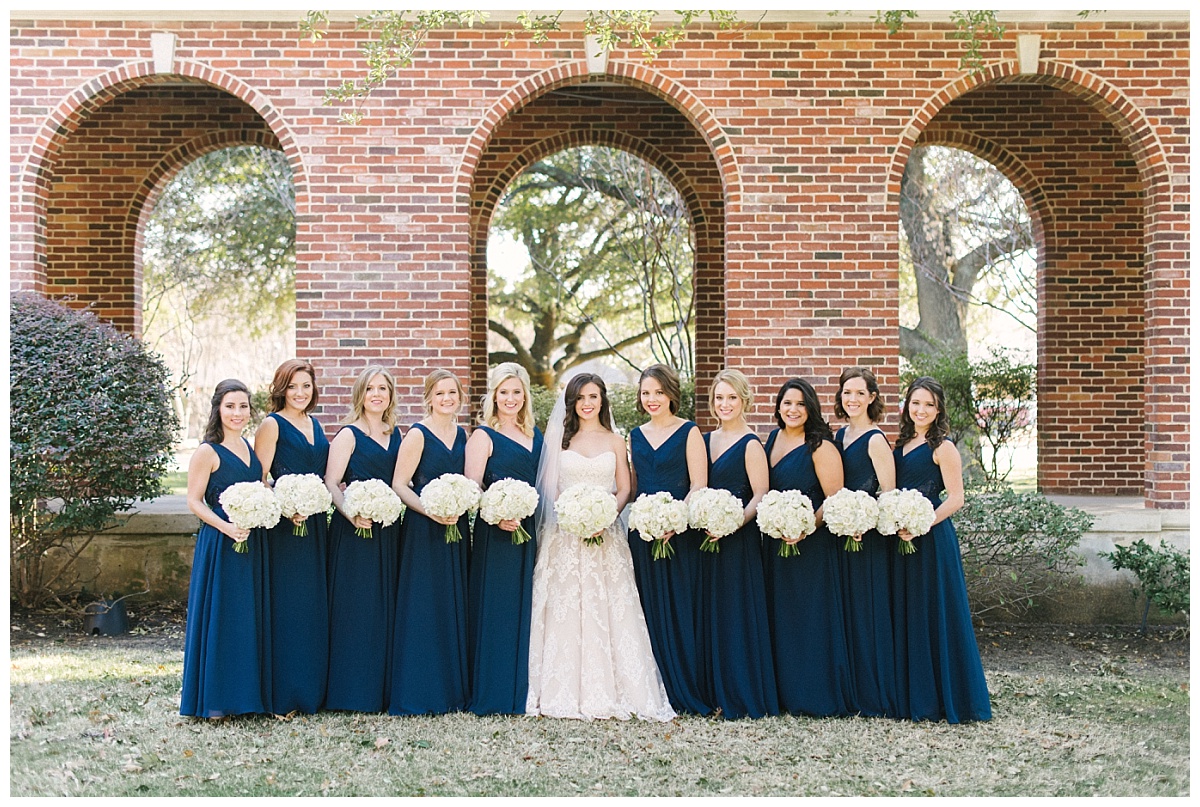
589, 650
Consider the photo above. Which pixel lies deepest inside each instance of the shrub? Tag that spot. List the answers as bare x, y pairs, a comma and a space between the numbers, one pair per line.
1164, 575
1016, 547
91, 432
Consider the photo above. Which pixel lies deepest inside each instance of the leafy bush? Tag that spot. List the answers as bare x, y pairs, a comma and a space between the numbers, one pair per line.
91, 432
1016, 547
1164, 575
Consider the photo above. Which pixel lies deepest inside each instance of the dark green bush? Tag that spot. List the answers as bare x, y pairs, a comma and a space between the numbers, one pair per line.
91, 432
1164, 575
1016, 547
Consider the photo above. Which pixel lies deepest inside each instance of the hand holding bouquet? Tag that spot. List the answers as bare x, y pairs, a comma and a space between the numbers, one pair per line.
449, 497
509, 500
654, 515
373, 499
302, 495
905, 510
585, 511
249, 505
788, 516
851, 513
718, 512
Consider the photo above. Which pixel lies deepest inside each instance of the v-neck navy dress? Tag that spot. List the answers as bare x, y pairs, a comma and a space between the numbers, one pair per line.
500, 590
670, 588
429, 640
362, 591
226, 631
298, 662
739, 675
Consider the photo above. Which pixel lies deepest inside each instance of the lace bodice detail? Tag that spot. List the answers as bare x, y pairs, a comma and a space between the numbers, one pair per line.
576, 469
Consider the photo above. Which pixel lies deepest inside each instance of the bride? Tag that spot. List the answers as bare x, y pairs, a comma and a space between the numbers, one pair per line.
589, 650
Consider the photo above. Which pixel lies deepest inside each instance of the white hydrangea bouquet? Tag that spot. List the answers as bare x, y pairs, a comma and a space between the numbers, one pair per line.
786, 514
904, 509
653, 515
584, 510
509, 499
718, 512
450, 496
303, 495
373, 499
851, 513
249, 505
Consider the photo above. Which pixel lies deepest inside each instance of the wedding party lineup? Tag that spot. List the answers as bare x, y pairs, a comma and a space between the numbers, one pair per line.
577, 573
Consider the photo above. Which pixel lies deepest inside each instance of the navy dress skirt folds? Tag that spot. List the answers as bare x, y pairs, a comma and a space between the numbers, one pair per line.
362, 591
737, 672
297, 589
500, 591
804, 598
429, 639
939, 674
867, 595
227, 624
669, 589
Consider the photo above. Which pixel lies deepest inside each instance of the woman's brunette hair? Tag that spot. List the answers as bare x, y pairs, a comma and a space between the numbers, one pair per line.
815, 427
571, 395
668, 379
214, 431
283, 377
875, 408
939, 430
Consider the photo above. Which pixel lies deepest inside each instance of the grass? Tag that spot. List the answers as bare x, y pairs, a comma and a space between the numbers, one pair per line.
101, 719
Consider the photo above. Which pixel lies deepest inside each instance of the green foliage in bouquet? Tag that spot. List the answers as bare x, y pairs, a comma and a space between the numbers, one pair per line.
91, 432
1016, 547
1164, 575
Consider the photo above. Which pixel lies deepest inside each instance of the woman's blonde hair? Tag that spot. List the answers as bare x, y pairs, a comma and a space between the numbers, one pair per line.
432, 380
501, 373
358, 396
740, 384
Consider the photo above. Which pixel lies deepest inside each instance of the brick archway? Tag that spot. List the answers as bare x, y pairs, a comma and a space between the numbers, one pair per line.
1094, 175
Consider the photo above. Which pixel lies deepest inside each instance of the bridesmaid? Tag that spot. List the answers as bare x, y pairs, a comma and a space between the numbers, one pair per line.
290, 441
362, 571
500, 579
868, 465
804, 592
939, 675
738, 673
429, 641
222, 659
668, 455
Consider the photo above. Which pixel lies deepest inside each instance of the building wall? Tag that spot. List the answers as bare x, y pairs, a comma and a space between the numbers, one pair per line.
808, 122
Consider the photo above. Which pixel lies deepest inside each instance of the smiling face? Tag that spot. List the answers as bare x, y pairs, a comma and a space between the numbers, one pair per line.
299, 392
792, 410
444, 398
587, 405
510, 398
377, 396
235, 412
727, 404
856, 398
922, 409
654, 399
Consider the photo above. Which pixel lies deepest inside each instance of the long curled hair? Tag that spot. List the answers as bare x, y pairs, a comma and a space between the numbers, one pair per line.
500, 374
939, 430
816, 429
571, 395
358, 396
283, 377
214, 431
875, 408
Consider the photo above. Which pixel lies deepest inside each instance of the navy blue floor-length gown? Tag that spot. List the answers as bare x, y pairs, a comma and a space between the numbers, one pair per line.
939, 675
429, 644
670, 588
500, 591
867, 596
362, 591
227, 625
804, 597
738, 673
297, 585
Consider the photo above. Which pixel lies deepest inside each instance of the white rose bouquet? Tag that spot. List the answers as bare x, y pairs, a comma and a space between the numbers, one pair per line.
373, 499
851, 513
718, 512
904, 509
786, 514
249, 505
653, 515
303, 495
449, 496
584, 510
509, 499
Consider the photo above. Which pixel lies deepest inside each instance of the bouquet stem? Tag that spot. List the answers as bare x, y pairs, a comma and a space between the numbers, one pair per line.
787, 550
710, 545
300, 529
594, 540
453, 536
364, 532
520, 536
662, 550
240, 547
906, 547
853, 544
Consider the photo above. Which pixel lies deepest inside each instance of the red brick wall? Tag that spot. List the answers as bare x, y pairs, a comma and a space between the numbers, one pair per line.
807, 126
